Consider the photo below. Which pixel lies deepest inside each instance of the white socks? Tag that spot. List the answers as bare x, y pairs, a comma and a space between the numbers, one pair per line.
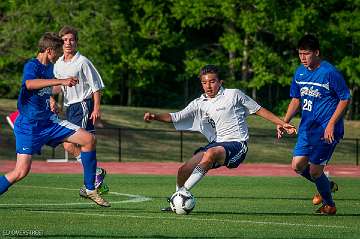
195, 177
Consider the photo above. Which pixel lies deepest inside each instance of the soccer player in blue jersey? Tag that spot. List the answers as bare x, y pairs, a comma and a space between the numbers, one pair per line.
220, 115
320, 92
37, 125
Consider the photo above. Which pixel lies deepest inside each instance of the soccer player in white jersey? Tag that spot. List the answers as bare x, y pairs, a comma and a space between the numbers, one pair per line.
321, 92
220, 115
37, 125
83, 100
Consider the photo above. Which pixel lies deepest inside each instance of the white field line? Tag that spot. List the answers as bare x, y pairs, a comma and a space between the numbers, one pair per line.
189, 218
132, 198
139, 198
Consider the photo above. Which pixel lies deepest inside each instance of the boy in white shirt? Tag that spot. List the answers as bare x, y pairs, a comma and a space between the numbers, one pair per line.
220, 115
83, 100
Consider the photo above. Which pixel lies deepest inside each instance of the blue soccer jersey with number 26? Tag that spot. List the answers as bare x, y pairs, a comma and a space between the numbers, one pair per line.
319, 91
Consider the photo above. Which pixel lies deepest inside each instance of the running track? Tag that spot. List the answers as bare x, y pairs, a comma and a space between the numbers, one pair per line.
170, 168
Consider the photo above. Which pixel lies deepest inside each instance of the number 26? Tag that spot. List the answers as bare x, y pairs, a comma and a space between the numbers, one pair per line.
307, 105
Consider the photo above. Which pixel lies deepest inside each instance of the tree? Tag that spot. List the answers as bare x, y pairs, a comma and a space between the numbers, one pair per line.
149, 52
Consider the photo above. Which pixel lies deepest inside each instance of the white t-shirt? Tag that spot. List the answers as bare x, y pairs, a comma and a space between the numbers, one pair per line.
89, 78
219, 119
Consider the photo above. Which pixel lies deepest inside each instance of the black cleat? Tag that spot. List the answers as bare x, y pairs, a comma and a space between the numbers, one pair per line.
334, 187
167, 209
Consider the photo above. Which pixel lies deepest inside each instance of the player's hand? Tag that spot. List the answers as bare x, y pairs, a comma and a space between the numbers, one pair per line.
148, 117
329, 134
71, 81
95, 116
280, 131
285, 128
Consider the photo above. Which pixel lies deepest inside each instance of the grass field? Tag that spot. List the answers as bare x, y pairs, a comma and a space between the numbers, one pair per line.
227, 207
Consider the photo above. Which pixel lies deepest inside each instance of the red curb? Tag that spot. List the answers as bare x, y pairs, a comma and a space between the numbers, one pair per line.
170, 168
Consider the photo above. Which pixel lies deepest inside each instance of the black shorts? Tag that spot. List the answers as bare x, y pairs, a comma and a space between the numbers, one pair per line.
235, 153
79, 114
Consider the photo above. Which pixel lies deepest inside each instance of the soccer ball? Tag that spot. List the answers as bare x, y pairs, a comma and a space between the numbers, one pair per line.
182, 202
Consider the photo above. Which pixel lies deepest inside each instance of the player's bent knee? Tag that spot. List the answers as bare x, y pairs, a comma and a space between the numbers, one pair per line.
208, 161
92, 139
185, 168
315, 174
68, 146
211, 155
297, 166
89, 142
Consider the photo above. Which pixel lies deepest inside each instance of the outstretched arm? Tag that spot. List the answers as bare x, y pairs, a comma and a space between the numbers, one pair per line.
165, 117
293, 108
281, 125
269, 116
37, 84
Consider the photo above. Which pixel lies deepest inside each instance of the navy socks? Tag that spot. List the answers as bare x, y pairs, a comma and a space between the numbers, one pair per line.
323, 186
88, 160
4, 184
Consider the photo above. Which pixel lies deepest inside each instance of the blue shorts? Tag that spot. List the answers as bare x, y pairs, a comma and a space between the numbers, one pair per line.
319, 153
32, 135
235, 153
79, 114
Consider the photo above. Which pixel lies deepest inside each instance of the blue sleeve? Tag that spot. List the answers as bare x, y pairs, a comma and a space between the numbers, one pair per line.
29, 72
294, 88
338, 85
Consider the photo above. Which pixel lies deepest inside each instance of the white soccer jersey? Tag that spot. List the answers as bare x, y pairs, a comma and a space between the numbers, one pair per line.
220, 119
89, 79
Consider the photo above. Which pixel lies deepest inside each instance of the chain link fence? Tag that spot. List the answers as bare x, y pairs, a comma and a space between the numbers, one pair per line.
131, 145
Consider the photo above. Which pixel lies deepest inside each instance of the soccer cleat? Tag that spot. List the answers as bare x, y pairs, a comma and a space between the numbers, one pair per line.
82, 192
100, 176
317, 199
103, 189
326, 210
100, 186
95, 197
334, 187
11, 118
167, 209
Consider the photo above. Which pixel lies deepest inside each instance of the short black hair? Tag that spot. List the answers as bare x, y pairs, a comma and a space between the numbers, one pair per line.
209, 69
308, 42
